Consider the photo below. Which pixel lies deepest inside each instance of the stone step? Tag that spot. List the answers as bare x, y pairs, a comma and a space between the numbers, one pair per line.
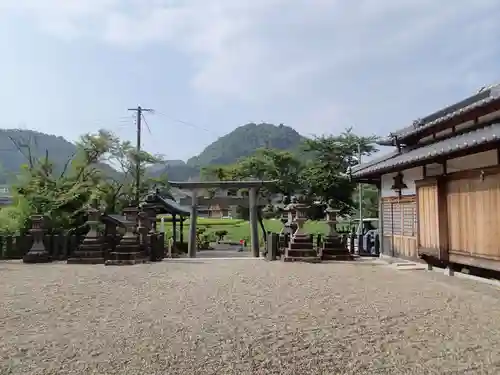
337, 257
124, 262
301, 253
315, 259
333, 251
299, 246
76, 260
88, 254
333, 244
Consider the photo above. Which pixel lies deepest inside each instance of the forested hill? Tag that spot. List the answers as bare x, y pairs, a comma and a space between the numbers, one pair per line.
15, 144
241, 142
244, 140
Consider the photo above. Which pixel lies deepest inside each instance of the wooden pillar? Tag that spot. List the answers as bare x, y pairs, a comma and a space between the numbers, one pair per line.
442, 219
381, 216
192, 225
181, 229
174, 229
254, 233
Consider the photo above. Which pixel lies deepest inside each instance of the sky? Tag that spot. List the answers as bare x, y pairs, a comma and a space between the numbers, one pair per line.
68, 67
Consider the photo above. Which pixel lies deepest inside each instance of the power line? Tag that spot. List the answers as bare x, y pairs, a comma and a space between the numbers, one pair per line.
188, 124
139, 110
147, 125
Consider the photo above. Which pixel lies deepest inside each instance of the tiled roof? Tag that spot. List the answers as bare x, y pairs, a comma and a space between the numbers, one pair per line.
482, 98
374, 161
488, 134
173, 206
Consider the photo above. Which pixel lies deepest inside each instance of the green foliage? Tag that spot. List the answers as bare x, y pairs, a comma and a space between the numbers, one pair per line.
319, 174
63, 196
325, 174
221, 234
20, 147
270, 164
369, 203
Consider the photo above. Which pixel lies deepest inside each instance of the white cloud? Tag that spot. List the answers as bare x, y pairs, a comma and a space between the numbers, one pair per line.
261, 50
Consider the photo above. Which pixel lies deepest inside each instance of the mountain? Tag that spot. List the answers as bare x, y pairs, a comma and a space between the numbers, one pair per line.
244, 140
16, 144
241, 142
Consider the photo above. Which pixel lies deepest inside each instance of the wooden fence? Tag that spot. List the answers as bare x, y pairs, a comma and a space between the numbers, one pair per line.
60, 247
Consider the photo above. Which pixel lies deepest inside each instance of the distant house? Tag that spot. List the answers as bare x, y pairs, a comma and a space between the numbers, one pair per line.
440, 187
5, 196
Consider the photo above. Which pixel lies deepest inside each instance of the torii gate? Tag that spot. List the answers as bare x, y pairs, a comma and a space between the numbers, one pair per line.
253, 203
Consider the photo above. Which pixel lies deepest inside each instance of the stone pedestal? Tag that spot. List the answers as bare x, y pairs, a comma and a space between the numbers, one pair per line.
142, 231
301, 247
127, 252
38, 253
156, 250
332, 248
91, 251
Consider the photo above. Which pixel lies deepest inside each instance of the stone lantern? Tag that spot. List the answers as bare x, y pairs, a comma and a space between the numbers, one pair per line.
38, 253
331, 219
91, 251
143, 227
127, 252
284, 219
301, 247
300, 217
292, 212
333, 248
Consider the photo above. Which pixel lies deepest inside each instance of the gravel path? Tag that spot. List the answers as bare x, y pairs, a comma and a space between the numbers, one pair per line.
244, 317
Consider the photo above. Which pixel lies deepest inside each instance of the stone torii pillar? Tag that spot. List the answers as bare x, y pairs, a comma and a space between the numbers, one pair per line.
254, 232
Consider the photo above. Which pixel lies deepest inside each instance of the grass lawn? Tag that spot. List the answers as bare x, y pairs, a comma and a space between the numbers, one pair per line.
239, 229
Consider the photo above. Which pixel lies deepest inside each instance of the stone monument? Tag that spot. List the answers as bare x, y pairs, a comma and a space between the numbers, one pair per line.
127, 252
38, 253
301, 247
91, 250
333, 248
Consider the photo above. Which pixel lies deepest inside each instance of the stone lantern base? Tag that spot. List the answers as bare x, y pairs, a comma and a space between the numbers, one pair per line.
37, 257
334, 249
127, 253
301, 249
91, 251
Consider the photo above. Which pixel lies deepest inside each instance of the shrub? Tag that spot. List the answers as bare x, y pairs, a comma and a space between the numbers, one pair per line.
220, 235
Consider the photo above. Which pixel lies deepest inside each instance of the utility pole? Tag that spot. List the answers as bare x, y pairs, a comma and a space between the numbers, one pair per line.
139, 110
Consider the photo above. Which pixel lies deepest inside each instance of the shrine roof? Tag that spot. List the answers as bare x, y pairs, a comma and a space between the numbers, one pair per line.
418, 156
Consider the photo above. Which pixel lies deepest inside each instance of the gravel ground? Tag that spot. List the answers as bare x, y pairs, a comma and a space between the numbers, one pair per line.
244, 317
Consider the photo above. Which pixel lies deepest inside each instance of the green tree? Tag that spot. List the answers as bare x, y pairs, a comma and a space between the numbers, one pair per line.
62, 194
369, 203
117, 190
325, 174
272, 165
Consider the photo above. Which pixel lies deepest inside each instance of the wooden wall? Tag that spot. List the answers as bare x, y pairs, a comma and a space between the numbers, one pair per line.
428, 218
399, 226
459, 217
474, 216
